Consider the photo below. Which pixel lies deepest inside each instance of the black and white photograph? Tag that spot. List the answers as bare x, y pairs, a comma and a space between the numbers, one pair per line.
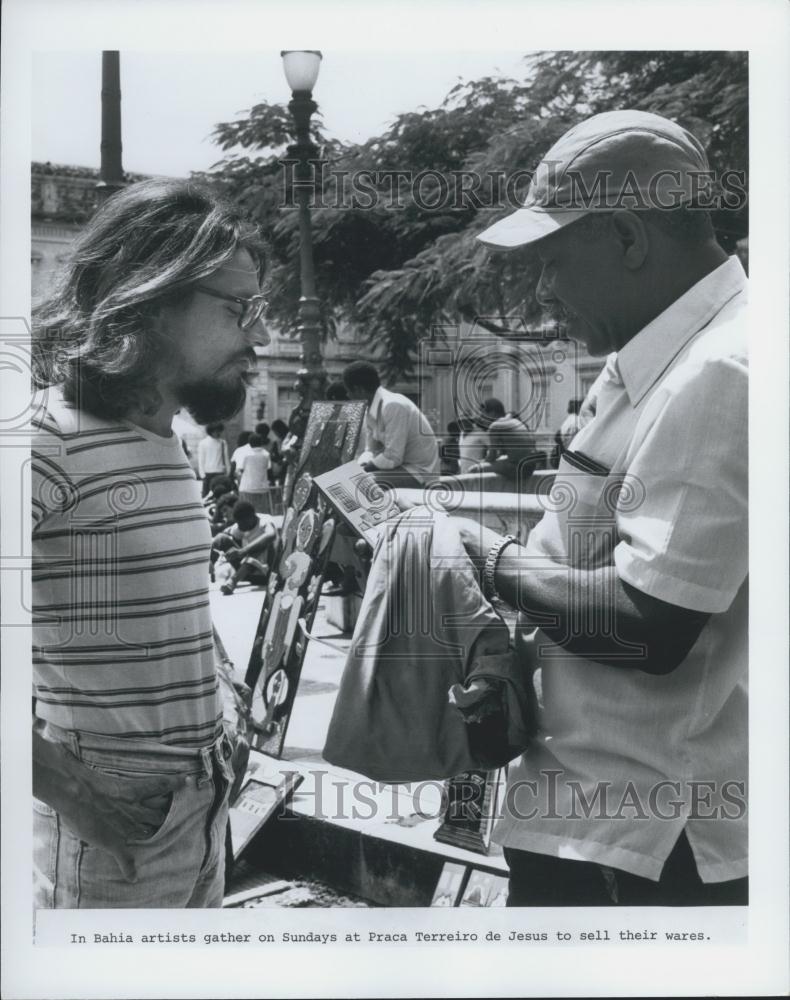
401, 465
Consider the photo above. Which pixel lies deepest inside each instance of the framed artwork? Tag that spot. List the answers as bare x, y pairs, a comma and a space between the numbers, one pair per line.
451, 884
472, 799
291, 600
484, 889
259, 799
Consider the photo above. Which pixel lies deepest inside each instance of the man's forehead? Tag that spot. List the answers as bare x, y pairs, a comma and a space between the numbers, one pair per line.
551, 242
239, 275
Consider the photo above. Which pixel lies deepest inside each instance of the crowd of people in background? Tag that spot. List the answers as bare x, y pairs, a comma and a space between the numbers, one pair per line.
241, 492
497, 440
256, 466
398, 446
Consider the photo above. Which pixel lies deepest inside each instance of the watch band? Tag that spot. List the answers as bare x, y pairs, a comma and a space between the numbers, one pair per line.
489, 569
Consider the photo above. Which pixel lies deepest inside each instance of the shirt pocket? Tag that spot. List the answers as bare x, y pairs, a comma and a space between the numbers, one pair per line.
585, 496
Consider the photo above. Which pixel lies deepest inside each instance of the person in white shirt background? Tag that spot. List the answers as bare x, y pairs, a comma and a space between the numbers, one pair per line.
254, 483
212, 456
241, 450
400, 445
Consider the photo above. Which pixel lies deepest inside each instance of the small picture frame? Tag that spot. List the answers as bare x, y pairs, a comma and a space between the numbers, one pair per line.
450, 885
485, 889
263, 793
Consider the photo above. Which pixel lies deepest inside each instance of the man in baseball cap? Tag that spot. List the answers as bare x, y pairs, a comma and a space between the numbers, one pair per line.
619, 159
635, 579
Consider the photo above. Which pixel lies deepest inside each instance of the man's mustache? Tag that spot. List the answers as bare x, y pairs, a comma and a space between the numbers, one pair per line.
250, 356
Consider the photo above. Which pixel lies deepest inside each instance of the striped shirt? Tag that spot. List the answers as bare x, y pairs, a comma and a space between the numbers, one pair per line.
122, 633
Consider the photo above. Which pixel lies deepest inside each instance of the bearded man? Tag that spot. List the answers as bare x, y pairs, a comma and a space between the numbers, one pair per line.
158, 309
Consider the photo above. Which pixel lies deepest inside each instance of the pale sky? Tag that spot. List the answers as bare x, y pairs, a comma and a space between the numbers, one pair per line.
171, 101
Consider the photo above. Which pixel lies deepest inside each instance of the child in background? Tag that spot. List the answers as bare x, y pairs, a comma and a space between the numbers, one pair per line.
245, 548
219, 503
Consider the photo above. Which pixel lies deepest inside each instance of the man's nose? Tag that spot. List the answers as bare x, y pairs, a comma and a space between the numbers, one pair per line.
258, 335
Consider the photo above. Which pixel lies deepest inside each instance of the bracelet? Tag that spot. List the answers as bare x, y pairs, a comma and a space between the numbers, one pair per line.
489, 569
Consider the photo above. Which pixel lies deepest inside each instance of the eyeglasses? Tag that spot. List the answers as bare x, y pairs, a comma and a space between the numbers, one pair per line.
251, 308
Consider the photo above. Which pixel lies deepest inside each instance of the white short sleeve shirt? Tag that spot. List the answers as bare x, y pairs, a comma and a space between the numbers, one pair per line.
656, 484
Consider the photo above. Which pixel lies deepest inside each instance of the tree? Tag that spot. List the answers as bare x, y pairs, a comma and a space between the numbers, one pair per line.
397, 256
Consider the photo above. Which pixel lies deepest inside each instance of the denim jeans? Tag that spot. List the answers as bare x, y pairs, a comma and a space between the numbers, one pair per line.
181, 865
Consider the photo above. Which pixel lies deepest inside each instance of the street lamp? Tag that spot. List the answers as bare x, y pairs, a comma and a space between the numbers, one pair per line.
301, 72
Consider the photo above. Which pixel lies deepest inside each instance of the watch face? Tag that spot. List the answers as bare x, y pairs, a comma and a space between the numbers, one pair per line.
301, 491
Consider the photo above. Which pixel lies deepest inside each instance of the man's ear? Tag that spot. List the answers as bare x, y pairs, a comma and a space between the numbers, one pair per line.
632, 234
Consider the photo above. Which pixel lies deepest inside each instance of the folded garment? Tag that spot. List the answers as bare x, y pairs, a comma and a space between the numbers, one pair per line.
432, 686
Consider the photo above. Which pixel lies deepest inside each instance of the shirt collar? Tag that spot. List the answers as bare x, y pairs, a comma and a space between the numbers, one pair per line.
645, 357
375, 404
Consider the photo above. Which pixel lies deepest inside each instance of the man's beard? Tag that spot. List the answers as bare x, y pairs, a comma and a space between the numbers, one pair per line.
209, 400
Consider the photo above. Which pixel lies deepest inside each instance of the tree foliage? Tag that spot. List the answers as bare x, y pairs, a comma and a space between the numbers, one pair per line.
399, 267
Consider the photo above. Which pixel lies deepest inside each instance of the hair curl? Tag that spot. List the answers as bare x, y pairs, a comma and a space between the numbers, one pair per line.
142, 249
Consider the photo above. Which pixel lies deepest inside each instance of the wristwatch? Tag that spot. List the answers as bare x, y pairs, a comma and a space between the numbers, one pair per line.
489, 569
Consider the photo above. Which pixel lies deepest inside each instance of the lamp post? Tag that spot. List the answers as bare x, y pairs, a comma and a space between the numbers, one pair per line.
301, 71
111, 177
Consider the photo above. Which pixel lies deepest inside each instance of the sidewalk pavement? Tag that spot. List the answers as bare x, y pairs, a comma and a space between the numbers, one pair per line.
337, 854
236, 618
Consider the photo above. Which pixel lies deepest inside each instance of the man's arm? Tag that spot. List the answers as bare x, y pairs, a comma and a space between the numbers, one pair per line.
255, 546
100, 809
591, 613
630, 628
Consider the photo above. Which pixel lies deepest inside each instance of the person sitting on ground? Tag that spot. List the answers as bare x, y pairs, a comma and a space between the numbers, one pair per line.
219, 504
247, 545
254, 483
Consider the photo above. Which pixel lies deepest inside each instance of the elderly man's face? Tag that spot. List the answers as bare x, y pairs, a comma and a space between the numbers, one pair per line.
578, 283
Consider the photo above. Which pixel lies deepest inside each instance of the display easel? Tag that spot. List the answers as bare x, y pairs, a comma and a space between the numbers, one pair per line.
291, 601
